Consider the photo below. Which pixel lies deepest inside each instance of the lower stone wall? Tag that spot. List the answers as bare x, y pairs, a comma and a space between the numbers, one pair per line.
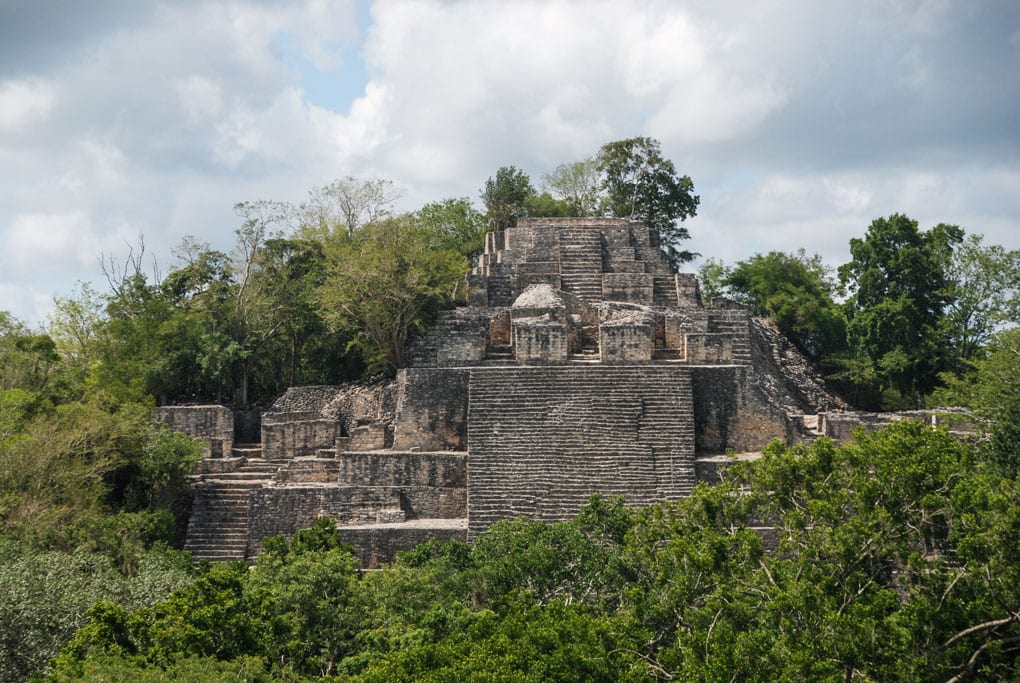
841, 425
377, 546
728, 412
212, 425
285, 510
447, 470
299, 438
708, 348
625, 342
431, 410
540, 341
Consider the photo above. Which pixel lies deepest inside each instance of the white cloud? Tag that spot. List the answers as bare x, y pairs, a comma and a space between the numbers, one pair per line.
23, 102
26, 304
200, 98
46, 243
791, 118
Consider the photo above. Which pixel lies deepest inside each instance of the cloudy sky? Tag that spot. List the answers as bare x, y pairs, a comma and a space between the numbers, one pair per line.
799, 121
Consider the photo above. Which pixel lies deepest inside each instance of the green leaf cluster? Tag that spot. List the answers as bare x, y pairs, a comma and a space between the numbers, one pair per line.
892, 558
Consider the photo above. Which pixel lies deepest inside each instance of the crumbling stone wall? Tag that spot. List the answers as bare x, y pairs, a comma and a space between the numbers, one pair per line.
211, 425
431, 413
371, 488
729, 414
297, 434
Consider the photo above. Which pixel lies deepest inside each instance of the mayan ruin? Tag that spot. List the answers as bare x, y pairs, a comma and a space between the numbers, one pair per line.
579, 362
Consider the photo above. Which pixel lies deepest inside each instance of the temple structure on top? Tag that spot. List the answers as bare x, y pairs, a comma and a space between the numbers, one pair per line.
578, 362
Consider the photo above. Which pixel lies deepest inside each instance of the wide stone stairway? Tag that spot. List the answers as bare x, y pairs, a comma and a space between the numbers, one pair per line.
581, 263
543, 439
218, 528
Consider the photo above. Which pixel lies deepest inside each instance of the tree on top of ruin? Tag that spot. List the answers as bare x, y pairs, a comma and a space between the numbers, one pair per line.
580, 185
640, 183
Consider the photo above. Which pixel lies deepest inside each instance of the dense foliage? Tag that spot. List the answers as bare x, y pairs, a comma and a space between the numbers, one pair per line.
892, 558
899, 283
916, 307
796, 292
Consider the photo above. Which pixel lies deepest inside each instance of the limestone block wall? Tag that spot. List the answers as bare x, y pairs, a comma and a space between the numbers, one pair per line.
376, 546
371, 488
370, 437
635, 288
839, 425
675, 333
688, 290
709, 347
408, 470
729, 414
540, 340
623, 342
211, 424
431, 409
459, 336
294, 435
543, 439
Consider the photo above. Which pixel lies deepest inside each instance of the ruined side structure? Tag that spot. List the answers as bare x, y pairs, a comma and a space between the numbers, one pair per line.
580, 363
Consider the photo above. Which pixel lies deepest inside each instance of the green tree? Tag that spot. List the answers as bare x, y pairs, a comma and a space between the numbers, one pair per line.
544, 205
795, 291
27, 360
46, 595
992, 393
296, 611
712, 276
640, 183
386, 283
899, 284
505, 197
346, 204
579, 184
984, 295
454, 225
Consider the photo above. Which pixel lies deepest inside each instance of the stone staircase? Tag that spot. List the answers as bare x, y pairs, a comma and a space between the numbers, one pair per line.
586, 354
543, 439
218, 528
500, 290
664, 291
581, 263
736, 324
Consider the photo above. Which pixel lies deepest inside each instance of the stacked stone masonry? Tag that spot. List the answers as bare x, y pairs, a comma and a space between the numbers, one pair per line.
579, 362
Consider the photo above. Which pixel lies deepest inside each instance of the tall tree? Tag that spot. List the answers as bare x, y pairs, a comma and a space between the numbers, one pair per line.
579, 184
505, 197
795, 291
641, 183
254, 322
899, 285
712, 276
454, 224
984, 295
348, 203
386, 283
